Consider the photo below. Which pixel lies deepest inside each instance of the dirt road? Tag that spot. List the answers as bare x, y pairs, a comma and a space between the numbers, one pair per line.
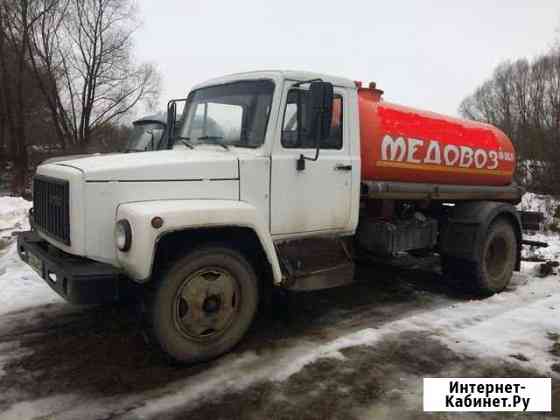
354, 352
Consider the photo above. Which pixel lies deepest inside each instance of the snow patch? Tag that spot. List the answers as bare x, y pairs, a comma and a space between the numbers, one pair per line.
38, 408
548, 206
13, 215
21, 287
550, 253
540, 203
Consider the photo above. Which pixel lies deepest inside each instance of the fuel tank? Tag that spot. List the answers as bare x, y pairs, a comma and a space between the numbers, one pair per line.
403, 144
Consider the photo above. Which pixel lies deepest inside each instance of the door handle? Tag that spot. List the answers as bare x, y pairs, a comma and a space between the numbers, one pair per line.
342, 167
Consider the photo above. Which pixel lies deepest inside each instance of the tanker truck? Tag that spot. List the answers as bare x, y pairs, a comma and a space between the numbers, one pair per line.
285, 178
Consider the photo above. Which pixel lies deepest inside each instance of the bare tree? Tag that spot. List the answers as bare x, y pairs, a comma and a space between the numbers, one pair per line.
523, 99
67, 75
86, 47
103, 83
46, 58
18, 92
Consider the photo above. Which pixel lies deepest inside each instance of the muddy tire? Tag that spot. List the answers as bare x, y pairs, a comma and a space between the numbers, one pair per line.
204, 304
492, 271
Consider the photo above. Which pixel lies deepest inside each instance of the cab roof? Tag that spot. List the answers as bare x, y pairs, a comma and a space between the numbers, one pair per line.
279, 76
160, 118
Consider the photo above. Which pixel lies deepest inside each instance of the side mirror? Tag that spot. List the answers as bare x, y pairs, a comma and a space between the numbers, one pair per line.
150, 146
318, 118
319, 110
171, 118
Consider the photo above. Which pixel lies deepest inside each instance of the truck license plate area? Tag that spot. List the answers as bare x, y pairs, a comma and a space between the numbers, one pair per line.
35, 263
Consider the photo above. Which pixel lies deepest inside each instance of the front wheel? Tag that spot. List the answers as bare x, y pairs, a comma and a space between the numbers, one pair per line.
204, 304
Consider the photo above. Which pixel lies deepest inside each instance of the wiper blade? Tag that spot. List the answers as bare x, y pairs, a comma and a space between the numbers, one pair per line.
215, 140
186, 141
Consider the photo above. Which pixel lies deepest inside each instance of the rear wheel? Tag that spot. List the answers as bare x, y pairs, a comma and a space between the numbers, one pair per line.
492, 271
204, 304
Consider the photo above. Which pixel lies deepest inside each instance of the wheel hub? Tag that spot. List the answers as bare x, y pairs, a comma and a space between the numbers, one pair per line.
496, 257
206, 303
211, 304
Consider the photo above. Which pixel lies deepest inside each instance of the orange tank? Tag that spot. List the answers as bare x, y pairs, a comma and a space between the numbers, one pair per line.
408, 145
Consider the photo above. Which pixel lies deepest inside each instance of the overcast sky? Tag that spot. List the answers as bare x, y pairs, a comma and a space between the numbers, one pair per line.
423, 53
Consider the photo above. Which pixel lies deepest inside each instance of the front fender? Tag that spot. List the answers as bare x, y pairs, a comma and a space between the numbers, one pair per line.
177, 215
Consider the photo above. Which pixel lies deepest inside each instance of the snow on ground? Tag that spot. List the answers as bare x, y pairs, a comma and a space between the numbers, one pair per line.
20, 286
517, 321
550, 253
13, 215
541, 203
548, 206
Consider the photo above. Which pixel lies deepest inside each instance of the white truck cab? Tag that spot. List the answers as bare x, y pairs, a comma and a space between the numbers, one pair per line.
260, 187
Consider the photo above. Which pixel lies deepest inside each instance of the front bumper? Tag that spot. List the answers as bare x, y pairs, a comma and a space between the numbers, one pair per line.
78, 280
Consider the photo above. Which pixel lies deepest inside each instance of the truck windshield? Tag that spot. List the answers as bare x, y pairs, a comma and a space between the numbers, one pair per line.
233, 114
145, 136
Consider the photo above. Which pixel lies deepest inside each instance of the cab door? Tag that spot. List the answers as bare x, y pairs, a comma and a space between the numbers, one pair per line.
317, 198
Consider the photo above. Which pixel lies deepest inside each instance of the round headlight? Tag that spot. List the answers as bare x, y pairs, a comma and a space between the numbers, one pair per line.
123, 235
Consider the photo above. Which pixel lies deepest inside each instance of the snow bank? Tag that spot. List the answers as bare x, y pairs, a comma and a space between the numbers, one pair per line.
551, 253
545, 204
548, 206
21, 287
13, 216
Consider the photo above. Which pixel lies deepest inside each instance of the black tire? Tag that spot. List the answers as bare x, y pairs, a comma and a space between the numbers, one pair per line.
188, 304
493, 269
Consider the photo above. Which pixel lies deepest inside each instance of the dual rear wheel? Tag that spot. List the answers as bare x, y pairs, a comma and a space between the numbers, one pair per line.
492, 268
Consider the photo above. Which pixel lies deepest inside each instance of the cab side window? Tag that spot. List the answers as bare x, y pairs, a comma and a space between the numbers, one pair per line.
294, 134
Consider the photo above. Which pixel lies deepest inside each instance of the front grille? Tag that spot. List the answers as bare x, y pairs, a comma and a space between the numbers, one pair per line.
51, 209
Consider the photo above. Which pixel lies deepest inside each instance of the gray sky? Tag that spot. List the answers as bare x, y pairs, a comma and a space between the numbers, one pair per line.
428, 53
